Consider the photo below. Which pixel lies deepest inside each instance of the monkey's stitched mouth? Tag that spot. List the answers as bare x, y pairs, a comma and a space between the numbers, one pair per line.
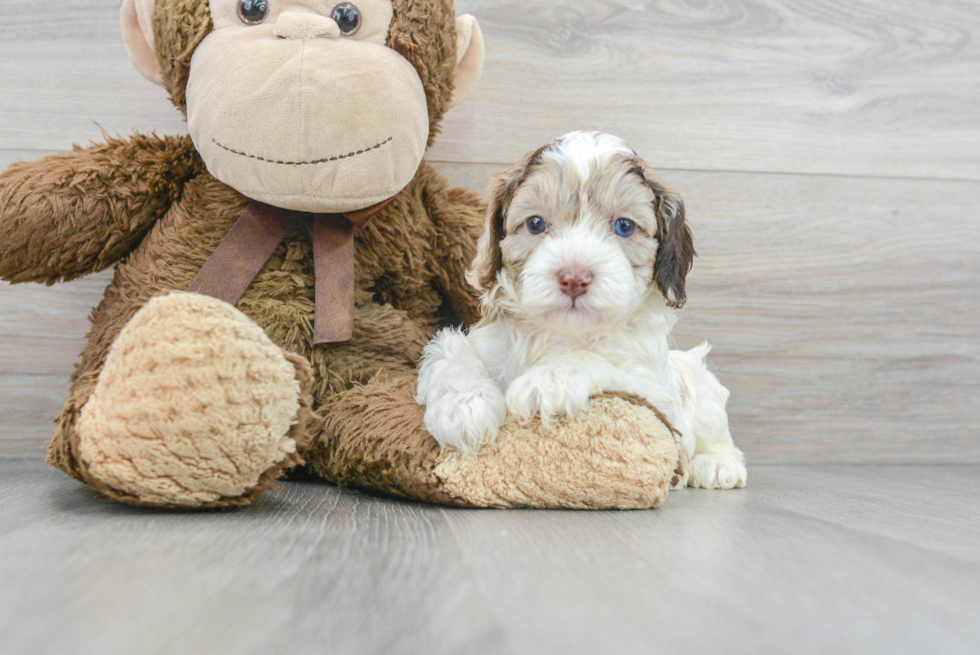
305, 163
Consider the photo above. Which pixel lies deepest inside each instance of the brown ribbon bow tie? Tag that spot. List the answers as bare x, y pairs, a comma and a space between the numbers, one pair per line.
255, 236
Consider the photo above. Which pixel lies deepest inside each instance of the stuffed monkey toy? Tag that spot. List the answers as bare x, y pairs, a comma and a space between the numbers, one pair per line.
280, 270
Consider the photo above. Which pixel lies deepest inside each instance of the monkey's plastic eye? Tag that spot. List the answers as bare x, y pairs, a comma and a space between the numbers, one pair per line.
625, 228
536, 225
348, 18
253, 12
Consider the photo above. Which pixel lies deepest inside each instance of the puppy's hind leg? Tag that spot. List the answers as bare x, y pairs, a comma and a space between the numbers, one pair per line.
717, 463
464, 406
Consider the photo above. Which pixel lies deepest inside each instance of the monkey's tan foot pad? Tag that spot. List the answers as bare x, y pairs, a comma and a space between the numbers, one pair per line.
195, 408
617, 455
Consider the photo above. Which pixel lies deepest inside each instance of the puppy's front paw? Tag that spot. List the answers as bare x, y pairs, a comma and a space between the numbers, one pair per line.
548, 392
467, 419
719, 470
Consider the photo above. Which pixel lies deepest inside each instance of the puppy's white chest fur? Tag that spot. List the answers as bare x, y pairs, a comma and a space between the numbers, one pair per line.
633, 358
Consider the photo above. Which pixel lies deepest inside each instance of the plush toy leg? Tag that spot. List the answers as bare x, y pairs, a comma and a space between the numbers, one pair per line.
616, 455
195, 407
372, 437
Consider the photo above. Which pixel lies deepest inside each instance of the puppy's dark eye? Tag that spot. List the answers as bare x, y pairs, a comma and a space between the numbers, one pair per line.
348, 18
253, 12
625, 228
536, 225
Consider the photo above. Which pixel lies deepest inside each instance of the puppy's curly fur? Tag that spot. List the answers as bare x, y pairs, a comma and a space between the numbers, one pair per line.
582, 264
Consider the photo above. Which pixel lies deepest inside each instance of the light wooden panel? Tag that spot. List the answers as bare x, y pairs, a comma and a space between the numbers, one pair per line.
844, 314
825, 560
42, 332
65, 76
862, 87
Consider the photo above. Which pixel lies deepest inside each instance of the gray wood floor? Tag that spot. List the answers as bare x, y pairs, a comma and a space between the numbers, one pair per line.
829, 154
820, 559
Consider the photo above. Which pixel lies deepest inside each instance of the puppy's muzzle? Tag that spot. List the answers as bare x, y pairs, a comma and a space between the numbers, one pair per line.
574, 282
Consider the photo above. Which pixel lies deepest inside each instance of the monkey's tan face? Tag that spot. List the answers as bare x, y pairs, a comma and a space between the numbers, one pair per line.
300, 104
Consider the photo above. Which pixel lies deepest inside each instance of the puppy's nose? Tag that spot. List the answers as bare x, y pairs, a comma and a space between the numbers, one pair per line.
303, 25
574, 282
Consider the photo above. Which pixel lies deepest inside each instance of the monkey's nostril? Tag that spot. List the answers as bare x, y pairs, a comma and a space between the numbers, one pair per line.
574, 282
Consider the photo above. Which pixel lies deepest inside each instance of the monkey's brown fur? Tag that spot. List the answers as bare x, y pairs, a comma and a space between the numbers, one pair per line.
404, 284
149, 204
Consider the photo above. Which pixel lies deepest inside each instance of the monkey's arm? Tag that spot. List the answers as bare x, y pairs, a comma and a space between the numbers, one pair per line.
79, 212
458, 216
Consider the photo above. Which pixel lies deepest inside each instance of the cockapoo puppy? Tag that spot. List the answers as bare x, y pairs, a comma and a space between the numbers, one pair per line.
582, 265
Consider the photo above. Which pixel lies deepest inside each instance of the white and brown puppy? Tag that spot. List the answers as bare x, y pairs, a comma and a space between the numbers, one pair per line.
582, 265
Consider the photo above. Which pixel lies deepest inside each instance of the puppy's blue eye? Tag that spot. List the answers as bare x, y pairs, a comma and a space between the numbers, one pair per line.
536, 225
625, 227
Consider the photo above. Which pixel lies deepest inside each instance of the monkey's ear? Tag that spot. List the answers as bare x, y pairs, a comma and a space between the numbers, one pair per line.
469, 57
137, 28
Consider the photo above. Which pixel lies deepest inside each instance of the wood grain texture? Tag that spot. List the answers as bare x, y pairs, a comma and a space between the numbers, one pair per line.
808, 560
42, 332
864, 87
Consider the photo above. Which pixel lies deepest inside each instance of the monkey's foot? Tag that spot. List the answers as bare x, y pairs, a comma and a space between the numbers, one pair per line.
195, 407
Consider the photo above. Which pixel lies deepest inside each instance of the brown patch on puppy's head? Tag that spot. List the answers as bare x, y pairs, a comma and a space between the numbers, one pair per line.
489, 258
580, 235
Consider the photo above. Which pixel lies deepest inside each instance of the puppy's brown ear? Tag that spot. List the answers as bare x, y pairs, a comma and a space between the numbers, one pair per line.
675, 253
489, 259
